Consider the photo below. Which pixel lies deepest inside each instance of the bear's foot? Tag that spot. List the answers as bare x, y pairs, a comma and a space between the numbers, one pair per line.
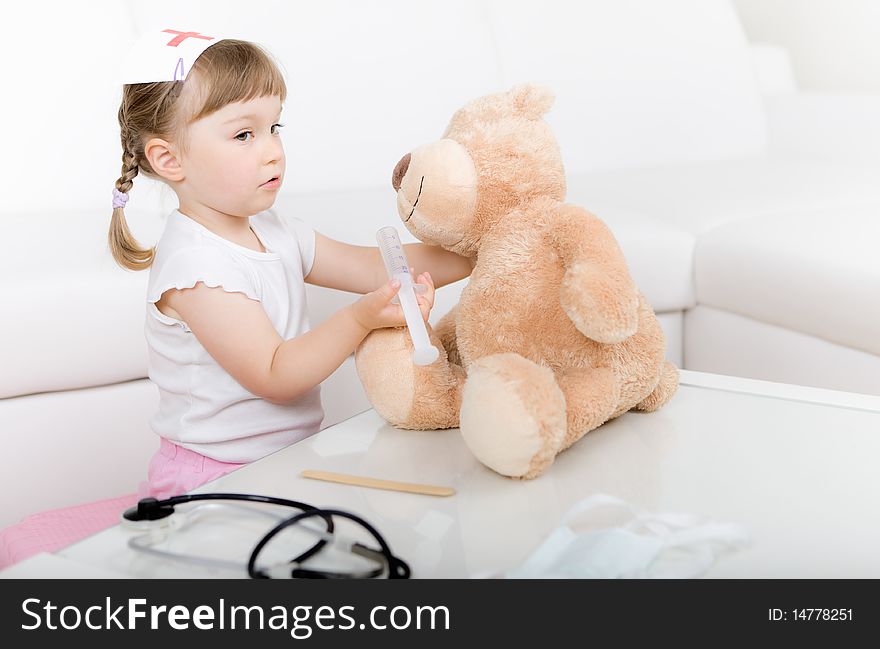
404, 394
512, 415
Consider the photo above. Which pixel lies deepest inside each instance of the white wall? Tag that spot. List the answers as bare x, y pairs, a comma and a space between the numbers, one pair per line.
834, 45
371, 79
60, 97
58, 106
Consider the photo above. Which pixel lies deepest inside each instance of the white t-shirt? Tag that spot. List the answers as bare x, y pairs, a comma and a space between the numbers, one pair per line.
201, 407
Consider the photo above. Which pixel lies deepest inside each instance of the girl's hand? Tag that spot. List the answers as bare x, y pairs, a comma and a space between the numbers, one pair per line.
374, 310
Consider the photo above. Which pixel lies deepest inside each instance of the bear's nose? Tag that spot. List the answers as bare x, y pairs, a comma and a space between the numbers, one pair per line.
400, 172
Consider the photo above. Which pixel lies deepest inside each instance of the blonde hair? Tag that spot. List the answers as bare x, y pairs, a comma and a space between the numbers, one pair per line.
227, 72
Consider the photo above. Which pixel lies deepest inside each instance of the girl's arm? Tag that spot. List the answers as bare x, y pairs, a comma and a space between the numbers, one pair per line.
238, 334
359, 269
445, 267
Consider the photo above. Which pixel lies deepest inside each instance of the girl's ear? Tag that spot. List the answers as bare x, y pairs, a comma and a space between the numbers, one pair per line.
163, 160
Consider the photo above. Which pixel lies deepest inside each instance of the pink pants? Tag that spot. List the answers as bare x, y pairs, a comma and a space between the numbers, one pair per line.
173, 470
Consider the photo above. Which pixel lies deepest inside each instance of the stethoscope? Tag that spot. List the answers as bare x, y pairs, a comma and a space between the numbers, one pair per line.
157, 517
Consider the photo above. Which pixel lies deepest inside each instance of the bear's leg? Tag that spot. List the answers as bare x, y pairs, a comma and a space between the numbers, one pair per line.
592, 396
666, 387
512, 414
404, 394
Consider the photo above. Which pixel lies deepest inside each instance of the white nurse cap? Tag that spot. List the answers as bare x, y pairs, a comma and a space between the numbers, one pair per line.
165, 55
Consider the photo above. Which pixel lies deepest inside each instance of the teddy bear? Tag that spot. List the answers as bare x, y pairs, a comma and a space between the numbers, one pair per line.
550, 338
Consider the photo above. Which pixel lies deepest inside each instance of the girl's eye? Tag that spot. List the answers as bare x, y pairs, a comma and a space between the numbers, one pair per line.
244, 136
276, 128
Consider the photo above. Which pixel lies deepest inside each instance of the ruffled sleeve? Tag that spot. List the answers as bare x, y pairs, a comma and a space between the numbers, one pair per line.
214, 267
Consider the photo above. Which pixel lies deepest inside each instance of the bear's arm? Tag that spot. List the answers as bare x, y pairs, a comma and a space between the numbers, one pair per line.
597, 292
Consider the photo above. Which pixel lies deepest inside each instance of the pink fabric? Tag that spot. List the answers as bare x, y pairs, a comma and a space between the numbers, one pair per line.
173, 470
57, 528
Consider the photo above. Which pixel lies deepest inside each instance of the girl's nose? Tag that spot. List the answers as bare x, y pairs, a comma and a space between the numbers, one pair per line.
274, 151
400, 172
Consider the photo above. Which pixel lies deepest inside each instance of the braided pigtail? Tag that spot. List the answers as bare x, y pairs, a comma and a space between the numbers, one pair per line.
126, 250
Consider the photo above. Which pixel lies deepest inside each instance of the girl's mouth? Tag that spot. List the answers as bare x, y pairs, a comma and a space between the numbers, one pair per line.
272, 183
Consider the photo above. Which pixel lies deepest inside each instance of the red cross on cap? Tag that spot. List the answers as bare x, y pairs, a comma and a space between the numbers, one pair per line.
182, 36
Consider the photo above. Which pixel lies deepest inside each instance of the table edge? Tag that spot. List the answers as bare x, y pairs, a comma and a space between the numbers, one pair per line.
786, 391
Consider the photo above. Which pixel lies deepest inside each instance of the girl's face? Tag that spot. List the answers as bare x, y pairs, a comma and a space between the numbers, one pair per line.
234, 160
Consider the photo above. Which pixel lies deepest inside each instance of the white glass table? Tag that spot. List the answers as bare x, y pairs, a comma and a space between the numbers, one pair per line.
795, 466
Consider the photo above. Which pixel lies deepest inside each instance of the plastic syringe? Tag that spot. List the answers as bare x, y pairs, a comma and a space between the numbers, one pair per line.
398, 268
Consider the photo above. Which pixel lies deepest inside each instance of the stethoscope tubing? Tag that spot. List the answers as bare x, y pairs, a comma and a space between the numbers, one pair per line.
151, 509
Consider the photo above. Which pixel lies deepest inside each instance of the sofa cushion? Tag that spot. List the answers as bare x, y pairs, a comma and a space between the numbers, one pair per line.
71, 447
722, 342
699, 197
659, 256
75, 318
814, 271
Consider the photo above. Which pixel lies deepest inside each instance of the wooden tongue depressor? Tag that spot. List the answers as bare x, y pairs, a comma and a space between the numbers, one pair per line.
375, 483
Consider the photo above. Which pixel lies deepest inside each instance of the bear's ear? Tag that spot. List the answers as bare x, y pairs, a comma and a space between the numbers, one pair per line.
526, 101
531, 101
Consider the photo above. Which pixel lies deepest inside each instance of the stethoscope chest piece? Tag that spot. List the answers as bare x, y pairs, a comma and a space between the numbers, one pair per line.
149, 514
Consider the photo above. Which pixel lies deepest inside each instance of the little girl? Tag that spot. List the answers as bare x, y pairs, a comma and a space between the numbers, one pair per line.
237, 366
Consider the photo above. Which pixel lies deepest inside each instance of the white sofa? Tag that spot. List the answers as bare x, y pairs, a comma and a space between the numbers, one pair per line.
749, 220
